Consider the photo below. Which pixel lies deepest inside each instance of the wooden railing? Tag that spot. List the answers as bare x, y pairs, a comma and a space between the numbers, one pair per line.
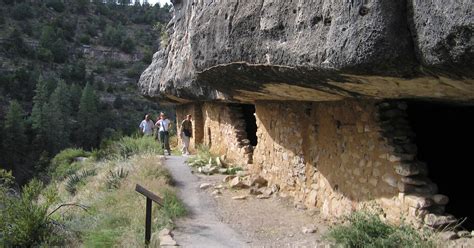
150, 196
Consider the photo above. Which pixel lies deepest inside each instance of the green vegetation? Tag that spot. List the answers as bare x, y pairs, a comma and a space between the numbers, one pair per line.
14, 139
368, 230
107, 212
61, 64
116, 212
88, 119
25, 220
62, 67
202, 158
78, 179
129, 146
64, 164
208, 163
115, 177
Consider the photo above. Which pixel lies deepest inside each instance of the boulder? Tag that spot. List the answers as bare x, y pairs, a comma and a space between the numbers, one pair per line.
164, 232
437, 221
255, 191
263, 196
258, 181
205, 185
310, 229
167, 240
417, 201
240, 197
448, 235
411, 169
238, 183
228, 178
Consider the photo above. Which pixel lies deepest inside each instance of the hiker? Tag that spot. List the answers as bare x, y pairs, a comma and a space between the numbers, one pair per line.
186, 133
163, 125
146, 126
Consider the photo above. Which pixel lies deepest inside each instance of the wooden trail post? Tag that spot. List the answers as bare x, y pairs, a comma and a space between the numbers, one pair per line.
150, 196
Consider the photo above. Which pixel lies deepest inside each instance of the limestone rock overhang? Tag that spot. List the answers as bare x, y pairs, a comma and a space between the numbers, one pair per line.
244, 82
244, 51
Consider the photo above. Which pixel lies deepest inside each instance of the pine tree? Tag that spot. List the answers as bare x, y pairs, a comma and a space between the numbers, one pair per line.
14, 140
88, 118
58, 115
39, 116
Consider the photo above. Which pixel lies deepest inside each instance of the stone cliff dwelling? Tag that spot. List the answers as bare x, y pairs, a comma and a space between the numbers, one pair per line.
343, 105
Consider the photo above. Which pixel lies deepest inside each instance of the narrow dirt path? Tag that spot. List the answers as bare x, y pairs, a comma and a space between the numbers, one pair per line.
202, 227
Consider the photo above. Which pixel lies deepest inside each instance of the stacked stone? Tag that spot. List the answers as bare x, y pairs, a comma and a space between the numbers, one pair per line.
416, 189
240, 133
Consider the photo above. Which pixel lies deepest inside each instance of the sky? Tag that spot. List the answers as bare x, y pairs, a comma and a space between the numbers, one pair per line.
162, 2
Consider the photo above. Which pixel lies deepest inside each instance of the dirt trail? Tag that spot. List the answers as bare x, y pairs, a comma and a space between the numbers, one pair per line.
201, 228
220, 221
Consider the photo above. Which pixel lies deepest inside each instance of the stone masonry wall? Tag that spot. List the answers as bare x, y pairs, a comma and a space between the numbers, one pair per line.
222, 125
338, 157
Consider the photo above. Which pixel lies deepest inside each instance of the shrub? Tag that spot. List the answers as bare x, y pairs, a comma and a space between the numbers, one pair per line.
173, 207
368, 230
147, 57
135, 71
113, 36
202, 158
25, 221
57, 5
77, 179
6, 179
110, 63
22, 11
159, 173
128, 45
129, 146
85, 39
63, 165
114, 178
44, 54
60, 51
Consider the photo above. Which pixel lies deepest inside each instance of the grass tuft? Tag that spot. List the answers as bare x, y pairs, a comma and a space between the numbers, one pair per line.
127, 147
63, 165
368, 230
77, 179
114, 178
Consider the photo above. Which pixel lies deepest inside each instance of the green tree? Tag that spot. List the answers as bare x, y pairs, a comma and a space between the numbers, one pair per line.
48, 37
128, 45
57, 5
58, 118
60, 51
14, 140
88, 118
82, 5
22, 11
76, 93
38, 117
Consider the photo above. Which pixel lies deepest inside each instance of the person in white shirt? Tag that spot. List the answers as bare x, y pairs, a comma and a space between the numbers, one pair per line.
146, 126
163, 125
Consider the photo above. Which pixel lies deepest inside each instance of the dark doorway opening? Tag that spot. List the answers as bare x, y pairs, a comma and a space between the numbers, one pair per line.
445, 137
248, 112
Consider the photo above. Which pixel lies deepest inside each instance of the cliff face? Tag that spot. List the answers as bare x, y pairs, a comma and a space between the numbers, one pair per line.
240, 50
